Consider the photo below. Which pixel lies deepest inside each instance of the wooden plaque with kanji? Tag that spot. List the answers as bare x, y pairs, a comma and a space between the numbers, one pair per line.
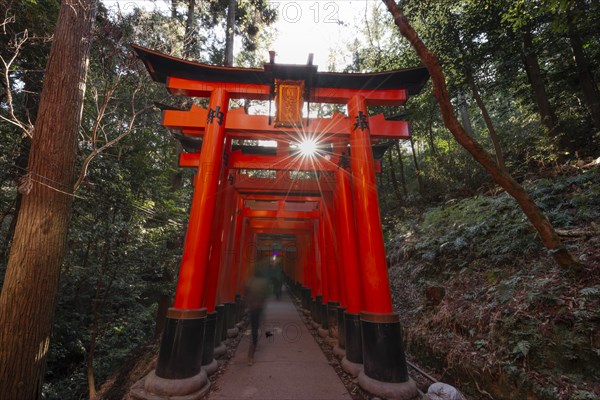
289, 99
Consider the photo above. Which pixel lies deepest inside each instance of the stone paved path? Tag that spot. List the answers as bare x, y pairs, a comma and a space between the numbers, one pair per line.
288, 365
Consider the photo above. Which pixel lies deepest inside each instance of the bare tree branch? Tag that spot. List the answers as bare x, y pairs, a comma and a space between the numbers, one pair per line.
97, 150
25, 127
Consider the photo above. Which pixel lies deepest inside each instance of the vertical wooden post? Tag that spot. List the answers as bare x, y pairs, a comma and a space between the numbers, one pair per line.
333, 278
221, 221
192, 273
350, 326
382, 348
182, 344
374, 276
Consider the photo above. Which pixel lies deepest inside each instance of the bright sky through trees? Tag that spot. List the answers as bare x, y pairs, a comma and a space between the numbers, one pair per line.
311, 26
321, 27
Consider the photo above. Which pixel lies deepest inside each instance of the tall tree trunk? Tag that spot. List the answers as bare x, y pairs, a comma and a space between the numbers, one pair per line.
190, 38
488, 120
28, 298
95, 323
586, 79
534, 73
432, 147
393, 176
174, 4
230, 33
465, 117
91, 380
532, 211
402, 174
417, 169
102, 292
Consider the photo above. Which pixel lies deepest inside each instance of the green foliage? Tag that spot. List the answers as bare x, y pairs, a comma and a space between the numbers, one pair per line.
485, 38
507, 304
584, 395
521, 350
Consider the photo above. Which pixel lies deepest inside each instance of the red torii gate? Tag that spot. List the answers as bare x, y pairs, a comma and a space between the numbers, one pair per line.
347, 287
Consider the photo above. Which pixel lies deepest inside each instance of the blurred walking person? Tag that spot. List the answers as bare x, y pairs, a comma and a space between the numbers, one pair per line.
257, 291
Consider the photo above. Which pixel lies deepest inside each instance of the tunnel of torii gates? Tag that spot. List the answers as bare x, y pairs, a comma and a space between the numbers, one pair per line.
324, 232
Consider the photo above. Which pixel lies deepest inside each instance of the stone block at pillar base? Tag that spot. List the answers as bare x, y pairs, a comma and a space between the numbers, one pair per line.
323, 332
333, 331
331, 341
152, 387
389, 390
339, 352
351, 368
211, 367
220, 350
233, 332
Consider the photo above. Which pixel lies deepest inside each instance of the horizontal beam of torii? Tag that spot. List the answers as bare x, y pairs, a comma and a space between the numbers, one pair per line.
280, 224
284, 186
239, 125
237, 160
199, 88
281, 196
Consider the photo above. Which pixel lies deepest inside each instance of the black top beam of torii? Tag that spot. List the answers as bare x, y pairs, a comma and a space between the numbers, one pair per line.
162, 66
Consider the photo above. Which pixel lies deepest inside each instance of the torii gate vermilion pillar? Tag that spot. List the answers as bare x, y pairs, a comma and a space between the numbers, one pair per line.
365, 292
380, 327
181, 347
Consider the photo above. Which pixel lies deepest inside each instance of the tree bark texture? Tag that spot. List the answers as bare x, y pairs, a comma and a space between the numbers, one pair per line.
393, 176
230, 33
465, 116
401, 164
190, 37
534, 73
488, 120
28, 298
532, 211
417, 169
586, 79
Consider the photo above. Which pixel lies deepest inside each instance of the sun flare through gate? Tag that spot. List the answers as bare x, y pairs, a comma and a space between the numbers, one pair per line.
307, 206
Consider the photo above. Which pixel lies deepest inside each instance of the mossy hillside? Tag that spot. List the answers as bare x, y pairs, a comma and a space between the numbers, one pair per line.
507, 307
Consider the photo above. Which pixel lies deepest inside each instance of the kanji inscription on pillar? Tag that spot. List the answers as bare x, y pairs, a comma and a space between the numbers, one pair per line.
212, 114
289, 101
362, 121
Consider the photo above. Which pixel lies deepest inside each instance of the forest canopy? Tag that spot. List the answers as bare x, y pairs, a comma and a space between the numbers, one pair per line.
522, 77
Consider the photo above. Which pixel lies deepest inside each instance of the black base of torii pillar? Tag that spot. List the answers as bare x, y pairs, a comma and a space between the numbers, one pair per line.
178, 372
384, 370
